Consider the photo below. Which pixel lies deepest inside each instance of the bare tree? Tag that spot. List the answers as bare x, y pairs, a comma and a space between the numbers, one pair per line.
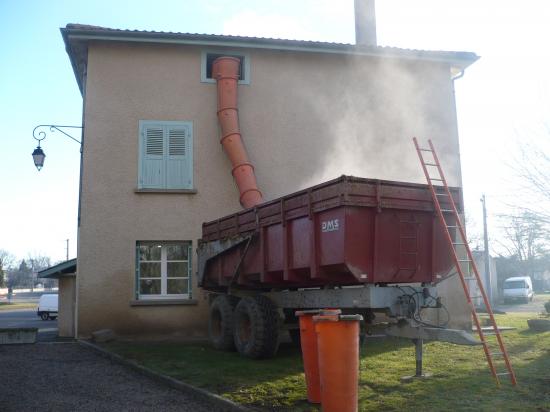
37, 263
532, 167
6, 263
527, 235
6, 259
20, 276
526, 232
526, 238
475, 235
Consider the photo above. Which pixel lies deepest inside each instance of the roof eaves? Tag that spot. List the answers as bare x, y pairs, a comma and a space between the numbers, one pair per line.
86, 32
79, 32
56, 271
72, 59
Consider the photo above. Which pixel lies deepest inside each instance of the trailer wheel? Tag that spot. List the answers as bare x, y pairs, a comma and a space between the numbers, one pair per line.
256, 327
220, 322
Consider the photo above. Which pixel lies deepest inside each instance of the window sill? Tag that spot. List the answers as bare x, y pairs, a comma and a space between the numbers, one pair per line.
245, 82
163, 302
169, 191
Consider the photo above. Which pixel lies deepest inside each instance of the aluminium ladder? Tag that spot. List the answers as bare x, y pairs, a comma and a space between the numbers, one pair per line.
432, 165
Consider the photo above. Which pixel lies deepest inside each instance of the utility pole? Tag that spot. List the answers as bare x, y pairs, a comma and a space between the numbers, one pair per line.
486, 252
67, 248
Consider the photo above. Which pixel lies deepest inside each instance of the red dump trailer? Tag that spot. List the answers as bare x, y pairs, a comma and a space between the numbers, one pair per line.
349, 243
347, 231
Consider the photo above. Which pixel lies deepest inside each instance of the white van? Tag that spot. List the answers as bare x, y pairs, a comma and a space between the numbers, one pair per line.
47, 307
518, 288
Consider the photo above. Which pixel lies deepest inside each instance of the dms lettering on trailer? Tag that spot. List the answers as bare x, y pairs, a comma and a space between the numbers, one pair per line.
330, 225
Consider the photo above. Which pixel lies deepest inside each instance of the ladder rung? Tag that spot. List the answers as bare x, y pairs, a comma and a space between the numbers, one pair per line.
434, 178
503, 373
447, 210
459, 243
431, 164
425, 150
441, 194
464, 260
497, 354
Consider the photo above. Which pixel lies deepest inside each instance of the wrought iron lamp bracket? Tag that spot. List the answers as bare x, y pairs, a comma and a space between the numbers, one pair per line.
40, 135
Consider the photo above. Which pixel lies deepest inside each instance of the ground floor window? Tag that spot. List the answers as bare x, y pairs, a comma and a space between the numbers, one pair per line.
163, 270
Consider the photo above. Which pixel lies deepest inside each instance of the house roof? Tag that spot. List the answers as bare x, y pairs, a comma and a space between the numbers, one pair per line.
77, 36
61, 269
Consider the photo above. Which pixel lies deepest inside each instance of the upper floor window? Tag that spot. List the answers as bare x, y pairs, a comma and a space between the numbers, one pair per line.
207, 60
165, 155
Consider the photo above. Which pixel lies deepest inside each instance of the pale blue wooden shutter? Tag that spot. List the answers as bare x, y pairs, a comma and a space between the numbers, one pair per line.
153, 157
179, 164
190, 271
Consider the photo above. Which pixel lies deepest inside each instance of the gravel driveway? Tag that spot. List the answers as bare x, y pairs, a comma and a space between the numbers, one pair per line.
68, 377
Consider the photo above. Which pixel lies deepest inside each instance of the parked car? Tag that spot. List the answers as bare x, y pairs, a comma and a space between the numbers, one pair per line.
47, 307
518, 288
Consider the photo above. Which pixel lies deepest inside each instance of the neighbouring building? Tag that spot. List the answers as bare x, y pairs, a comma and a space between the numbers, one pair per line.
489, 280
65, 273
153, 168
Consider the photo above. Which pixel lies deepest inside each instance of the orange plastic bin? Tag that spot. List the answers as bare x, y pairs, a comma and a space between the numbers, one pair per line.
338, 349
308, 340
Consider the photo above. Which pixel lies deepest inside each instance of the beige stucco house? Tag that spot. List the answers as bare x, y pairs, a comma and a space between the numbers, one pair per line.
153, 168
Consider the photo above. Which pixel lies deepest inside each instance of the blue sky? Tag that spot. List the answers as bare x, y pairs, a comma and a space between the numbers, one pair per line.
503, 98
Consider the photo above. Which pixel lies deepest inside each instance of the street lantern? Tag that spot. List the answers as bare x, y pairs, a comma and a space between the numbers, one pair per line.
38, 155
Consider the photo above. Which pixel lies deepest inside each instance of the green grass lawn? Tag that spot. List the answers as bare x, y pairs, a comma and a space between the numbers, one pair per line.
461, 379
21, 305
542, 297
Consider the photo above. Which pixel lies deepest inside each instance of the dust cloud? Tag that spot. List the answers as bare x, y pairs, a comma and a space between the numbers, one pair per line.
371, 117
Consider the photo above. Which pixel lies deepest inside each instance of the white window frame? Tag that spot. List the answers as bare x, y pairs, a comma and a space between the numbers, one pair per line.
230, 52
164, 271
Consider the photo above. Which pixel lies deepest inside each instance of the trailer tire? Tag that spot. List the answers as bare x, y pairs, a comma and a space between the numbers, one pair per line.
220, 322
256, 330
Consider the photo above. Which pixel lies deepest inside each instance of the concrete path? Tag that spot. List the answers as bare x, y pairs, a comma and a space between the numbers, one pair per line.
67, 377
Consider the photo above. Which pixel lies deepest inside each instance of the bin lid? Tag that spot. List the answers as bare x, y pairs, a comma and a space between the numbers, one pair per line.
336, 318
351, 317
313, 312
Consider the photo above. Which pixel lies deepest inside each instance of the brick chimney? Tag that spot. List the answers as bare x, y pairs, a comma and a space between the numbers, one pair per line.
365, 23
